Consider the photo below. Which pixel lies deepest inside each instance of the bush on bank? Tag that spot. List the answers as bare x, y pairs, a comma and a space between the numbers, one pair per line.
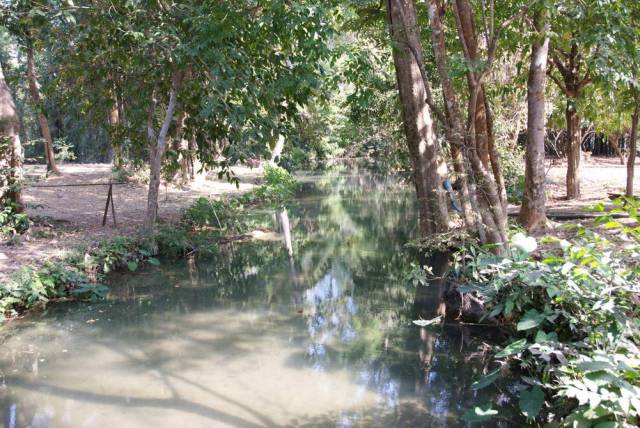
575, 321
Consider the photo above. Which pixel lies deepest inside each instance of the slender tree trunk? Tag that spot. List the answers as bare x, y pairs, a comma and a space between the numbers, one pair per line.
468, 33
193, 146
483, 193
614, 142
632, 150
494, 158
12, 157
429, 171
114, 121
42, 118
157, 150
574, 141
184, 155
454, 129
533, 212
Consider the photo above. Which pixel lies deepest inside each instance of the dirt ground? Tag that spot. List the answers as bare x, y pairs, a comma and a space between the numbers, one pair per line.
67, 217
599, 177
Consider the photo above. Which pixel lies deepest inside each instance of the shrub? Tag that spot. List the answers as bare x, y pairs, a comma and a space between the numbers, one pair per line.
575, 320
279, 185
511, 156
12, 223
63, 150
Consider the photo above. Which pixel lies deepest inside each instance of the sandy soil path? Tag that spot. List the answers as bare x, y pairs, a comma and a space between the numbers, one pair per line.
71, 216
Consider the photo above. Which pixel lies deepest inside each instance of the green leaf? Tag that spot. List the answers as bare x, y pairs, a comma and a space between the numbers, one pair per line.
485, 380
513, 348
530, 320
479, 413
132, 265
154, 261
508, 308
531, 402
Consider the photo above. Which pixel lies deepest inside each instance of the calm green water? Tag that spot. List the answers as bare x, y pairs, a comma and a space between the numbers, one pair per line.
314, 330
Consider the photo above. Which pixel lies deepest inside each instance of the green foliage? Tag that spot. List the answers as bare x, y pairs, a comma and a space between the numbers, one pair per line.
12, 223
222, 214
120, 175
229, 215
279, 185
575, 316
29, 287
63, 151
512, 162
173, 242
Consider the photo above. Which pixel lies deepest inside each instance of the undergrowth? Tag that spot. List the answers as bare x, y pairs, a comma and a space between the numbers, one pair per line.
229, 215
574, 318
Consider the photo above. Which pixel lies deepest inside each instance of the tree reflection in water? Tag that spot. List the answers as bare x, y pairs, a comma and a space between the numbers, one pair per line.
333, 290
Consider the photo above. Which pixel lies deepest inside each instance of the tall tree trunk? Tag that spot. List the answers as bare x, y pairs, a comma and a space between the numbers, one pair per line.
571, 85
632, 150
277, 149
533, 212
429, 171
158, 145
11, 159
574, 141
494, 158
34, 90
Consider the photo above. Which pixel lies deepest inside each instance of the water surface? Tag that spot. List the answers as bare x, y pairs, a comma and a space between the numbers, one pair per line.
310, 329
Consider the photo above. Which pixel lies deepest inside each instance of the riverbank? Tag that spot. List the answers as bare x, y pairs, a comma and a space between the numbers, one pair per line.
69, 217
82, 269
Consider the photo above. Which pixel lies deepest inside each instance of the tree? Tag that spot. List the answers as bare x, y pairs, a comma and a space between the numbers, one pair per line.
586, 34
631, 160
11, 155
27, 21
216, 72
429, 171
532, 212
34, 91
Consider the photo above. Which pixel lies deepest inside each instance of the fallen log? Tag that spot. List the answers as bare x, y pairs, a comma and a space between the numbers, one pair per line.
575, 215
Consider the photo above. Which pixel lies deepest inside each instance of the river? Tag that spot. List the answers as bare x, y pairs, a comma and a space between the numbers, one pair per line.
311, 329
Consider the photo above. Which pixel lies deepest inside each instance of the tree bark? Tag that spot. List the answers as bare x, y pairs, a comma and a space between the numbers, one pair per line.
615, 144
34, 90
574, 141
158, 145
114, 121
429, 170
533, 211
483, 192
571, 84
632, 150
467, 32
12, 158
184, 154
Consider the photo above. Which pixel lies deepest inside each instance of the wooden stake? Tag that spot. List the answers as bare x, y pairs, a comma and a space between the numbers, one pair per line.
106, 207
